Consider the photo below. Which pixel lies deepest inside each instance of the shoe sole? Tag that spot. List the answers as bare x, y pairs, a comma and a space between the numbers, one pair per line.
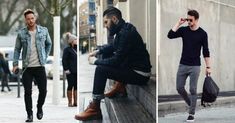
118, 95
190, 121
90, 118
28, 121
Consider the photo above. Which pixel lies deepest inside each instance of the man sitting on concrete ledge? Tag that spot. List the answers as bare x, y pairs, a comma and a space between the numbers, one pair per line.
129, 64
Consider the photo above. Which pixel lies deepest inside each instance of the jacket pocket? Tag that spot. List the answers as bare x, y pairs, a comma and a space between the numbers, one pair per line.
42, 39
24, 43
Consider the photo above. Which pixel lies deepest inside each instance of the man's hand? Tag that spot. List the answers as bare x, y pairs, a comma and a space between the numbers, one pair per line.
15, 68
92, 60
92, 54
177, 25
67, 72
208, 71
181, 21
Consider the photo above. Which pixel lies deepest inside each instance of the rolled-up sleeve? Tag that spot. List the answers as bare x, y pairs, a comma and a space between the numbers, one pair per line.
121, 52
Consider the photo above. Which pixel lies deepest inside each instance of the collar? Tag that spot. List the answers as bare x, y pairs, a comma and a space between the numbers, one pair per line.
119, 25
37, 29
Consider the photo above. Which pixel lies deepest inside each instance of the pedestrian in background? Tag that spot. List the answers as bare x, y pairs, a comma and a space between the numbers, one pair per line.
69, 62
5, 71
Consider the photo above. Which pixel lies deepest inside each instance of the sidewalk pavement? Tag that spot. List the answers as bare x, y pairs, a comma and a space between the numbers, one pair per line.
12, 109
86, 74
207, 115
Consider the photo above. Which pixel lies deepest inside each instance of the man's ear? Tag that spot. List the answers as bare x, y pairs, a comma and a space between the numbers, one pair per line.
115, 19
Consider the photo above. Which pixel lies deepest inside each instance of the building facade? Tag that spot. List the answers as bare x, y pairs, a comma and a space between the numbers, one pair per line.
87, 22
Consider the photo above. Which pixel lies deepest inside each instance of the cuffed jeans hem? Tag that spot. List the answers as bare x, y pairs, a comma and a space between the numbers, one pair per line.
98, 96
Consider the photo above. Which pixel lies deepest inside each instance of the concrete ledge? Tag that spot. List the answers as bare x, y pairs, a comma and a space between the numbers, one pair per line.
146, 95
165, 108
127, 110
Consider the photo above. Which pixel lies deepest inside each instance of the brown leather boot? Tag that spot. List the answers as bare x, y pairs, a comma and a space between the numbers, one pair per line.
75, 98
118, 89
70, 98
93, 112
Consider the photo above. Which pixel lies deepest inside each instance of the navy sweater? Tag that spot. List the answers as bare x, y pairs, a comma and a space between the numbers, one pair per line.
193, 41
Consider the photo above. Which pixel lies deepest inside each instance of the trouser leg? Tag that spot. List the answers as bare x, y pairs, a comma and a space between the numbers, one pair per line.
180, 83
27, 78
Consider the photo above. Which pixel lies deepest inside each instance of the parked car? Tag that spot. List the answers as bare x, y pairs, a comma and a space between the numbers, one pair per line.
49, 67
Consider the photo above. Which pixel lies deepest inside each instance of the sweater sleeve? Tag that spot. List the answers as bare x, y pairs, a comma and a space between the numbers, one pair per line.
106, 49
205, 49
123, 48
172, 34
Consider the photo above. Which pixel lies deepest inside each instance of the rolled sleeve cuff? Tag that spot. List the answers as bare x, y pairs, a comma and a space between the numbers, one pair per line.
206, 54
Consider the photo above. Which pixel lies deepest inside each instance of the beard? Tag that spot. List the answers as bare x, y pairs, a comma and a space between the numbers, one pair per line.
31, 24
112, 29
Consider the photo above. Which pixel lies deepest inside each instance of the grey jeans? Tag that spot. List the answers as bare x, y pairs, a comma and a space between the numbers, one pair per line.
183, 72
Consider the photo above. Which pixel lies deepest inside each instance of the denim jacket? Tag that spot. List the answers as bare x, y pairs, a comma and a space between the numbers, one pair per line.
23, 41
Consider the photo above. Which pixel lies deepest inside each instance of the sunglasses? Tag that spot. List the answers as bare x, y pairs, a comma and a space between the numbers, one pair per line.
191, 20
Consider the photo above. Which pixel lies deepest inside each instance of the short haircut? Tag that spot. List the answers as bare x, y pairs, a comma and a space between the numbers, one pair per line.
193, 13
112, 11
28, 11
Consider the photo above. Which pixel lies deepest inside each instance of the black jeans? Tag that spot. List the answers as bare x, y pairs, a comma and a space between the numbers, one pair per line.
72, 81
39, 74
124, 75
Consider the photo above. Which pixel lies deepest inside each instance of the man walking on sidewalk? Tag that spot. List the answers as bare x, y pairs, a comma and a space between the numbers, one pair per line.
194, 38
35, 42
129, 64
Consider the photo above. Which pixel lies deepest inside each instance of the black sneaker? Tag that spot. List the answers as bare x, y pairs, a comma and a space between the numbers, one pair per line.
190, 118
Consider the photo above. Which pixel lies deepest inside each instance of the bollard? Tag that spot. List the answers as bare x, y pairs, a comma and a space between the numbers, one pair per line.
18, 81
63, 84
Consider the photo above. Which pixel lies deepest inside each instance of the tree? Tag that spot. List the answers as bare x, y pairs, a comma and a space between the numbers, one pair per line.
46, 9
11, 12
